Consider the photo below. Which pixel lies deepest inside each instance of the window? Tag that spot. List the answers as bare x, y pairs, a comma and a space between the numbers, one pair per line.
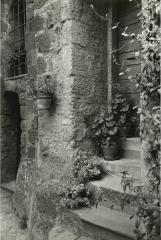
18, 24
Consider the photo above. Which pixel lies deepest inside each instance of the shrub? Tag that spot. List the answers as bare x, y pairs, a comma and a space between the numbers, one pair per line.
87, 168
74, 195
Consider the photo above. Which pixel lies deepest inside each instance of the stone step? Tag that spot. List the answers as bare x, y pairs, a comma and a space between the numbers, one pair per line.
129, 153
10, 186
132, 148
102, 223
62, 234
132, 166
132, 143
109, 192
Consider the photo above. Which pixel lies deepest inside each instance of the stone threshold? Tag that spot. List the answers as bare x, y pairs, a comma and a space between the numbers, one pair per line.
10, 186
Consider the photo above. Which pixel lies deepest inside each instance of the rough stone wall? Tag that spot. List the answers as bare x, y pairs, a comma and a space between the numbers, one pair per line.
54, 152
26, 172
89, 89
71, 49
65, 41
27, 112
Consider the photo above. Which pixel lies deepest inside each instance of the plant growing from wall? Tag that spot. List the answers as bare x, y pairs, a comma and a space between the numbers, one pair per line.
149, 84
76, 193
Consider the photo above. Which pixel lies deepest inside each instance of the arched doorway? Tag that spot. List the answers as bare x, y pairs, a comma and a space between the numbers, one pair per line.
11, 132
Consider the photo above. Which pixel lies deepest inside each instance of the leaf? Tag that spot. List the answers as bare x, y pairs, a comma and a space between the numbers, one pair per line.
114, 27
131, 217
121, 73
112, 206
125, 34
130, 77
137, 223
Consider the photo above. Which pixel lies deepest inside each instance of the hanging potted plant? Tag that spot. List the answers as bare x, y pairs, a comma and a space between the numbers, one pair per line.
10, 84
105, 132
43, 93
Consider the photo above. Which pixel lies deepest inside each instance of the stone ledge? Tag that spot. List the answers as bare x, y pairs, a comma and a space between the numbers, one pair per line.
15, 77
113, 221
57, 234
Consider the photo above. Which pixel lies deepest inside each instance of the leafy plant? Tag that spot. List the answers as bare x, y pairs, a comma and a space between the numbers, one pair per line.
147, 215
104, 127
87, 168
74, 195
45, 88
13, 60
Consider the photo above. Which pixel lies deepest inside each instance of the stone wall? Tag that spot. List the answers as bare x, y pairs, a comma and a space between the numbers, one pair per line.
66, 41
89, 90
27, 113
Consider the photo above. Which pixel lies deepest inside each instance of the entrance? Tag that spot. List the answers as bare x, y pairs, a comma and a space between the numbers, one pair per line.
12, 135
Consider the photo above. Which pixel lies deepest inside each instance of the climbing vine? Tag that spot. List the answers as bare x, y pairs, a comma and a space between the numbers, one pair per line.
148, 213
147, 225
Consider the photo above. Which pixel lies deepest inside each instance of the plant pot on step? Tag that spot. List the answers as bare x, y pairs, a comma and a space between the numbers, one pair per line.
110, 152
44, 102
10, 85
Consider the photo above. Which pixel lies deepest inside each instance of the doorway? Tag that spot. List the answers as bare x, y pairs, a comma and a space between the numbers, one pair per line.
11, 132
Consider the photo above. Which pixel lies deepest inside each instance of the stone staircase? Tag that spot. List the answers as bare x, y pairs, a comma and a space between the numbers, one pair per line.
108, 221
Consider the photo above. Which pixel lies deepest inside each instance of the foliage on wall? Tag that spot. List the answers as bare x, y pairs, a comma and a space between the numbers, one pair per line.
149, 84
147, 225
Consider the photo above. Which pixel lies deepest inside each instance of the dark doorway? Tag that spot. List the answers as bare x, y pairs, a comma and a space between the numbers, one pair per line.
12, 135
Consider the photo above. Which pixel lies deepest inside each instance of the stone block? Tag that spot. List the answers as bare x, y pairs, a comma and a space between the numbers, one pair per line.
41, 65
30, 42
31, 152
39, 23
30, 26
43, 42
23, 112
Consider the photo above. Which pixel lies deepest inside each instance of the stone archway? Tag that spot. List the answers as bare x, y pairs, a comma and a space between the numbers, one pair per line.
11, 137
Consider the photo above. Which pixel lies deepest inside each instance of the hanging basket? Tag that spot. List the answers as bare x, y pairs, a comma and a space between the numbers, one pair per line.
10, 85
44, 102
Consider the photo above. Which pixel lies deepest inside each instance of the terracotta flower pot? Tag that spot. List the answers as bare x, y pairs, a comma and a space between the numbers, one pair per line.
44, 102
10, 85
110, 152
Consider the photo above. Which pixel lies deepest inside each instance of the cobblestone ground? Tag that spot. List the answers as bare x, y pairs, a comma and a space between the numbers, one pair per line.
10, 229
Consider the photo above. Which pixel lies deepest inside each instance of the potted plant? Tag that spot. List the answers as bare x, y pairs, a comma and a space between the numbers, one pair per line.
43, 93
105, 133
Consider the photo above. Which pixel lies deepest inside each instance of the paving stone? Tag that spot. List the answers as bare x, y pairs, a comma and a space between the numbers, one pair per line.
57, 235
10, 229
